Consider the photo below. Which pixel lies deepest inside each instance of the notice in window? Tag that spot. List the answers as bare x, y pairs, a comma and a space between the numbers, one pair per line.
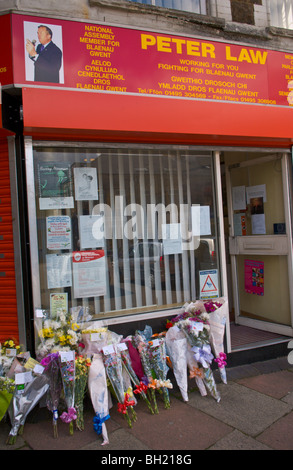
209, 284
58, 300
89, 273
90, 231
238, 198
254, 277
55, 186
59, 272
258, 223
58, 232
86, 184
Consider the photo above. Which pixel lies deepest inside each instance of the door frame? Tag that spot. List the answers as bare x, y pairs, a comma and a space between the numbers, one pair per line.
284, 248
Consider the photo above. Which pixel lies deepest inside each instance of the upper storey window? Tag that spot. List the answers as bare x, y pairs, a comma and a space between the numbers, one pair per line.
281, 13
194, 6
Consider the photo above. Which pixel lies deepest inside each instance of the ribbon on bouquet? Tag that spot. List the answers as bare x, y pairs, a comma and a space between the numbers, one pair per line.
99, 419
203, 355
221, 360
122, 407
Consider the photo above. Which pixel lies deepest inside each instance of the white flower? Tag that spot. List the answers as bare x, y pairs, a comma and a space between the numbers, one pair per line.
74, 338
204, 316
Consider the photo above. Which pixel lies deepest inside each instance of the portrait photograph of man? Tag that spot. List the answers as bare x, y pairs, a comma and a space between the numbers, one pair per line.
44, 58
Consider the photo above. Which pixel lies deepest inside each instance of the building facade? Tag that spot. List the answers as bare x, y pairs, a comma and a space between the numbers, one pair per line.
146, 163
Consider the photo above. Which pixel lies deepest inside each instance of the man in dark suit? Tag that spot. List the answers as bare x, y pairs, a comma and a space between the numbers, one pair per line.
47, 56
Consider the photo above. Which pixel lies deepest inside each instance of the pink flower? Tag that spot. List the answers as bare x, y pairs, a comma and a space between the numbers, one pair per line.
70, 416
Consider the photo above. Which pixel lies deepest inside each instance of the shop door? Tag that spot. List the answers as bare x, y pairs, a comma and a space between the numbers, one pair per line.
260, 240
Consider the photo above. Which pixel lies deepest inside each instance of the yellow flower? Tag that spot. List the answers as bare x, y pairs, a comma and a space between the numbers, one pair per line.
75, 326
63, 339
96, 330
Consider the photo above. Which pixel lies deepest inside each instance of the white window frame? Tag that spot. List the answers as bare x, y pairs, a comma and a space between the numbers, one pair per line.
193, 6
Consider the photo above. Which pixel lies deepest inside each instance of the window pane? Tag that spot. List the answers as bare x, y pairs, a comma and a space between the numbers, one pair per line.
108, 227
195, 6
282, 13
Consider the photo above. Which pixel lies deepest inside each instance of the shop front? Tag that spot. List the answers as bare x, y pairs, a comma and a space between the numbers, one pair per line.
156, 181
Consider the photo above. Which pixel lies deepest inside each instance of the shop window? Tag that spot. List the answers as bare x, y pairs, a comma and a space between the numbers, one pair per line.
194, 6
281, 13
122, 230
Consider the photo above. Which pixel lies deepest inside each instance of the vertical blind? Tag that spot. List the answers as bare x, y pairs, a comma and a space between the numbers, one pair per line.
140, 193
281, 13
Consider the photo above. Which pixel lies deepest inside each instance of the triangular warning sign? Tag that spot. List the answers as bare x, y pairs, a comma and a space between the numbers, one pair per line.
209, 286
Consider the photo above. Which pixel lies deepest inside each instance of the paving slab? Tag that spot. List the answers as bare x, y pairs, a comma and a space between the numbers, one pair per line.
279, 435
39, 435
288, 399
181, 427
276, 384
236, 440
118, 440
246, 410
4, 432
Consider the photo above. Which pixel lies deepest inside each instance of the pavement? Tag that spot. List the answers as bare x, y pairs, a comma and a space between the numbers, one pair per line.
255, 413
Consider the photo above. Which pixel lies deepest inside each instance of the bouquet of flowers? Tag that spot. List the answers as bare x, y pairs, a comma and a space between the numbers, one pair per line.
8, 351
176, 344
218, 313
25, 398
52, 370
195, 371
135, 359
197, 334
140, 387
113, 365
60, 334
141, 343
94, 339
82, 366
97, 385
7, 387
67, 369
159, 363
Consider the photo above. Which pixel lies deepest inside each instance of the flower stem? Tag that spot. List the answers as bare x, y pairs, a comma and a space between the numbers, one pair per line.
55, 429
71, 429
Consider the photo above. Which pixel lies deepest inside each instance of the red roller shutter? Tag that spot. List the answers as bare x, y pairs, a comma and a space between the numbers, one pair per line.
8, 305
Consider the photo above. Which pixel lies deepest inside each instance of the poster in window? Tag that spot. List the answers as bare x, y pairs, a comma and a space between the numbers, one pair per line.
258, 223
58, 300
59, 273
89, 273
254, 277
86, 184
90, 231
58, 232
209, 284
55, 186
